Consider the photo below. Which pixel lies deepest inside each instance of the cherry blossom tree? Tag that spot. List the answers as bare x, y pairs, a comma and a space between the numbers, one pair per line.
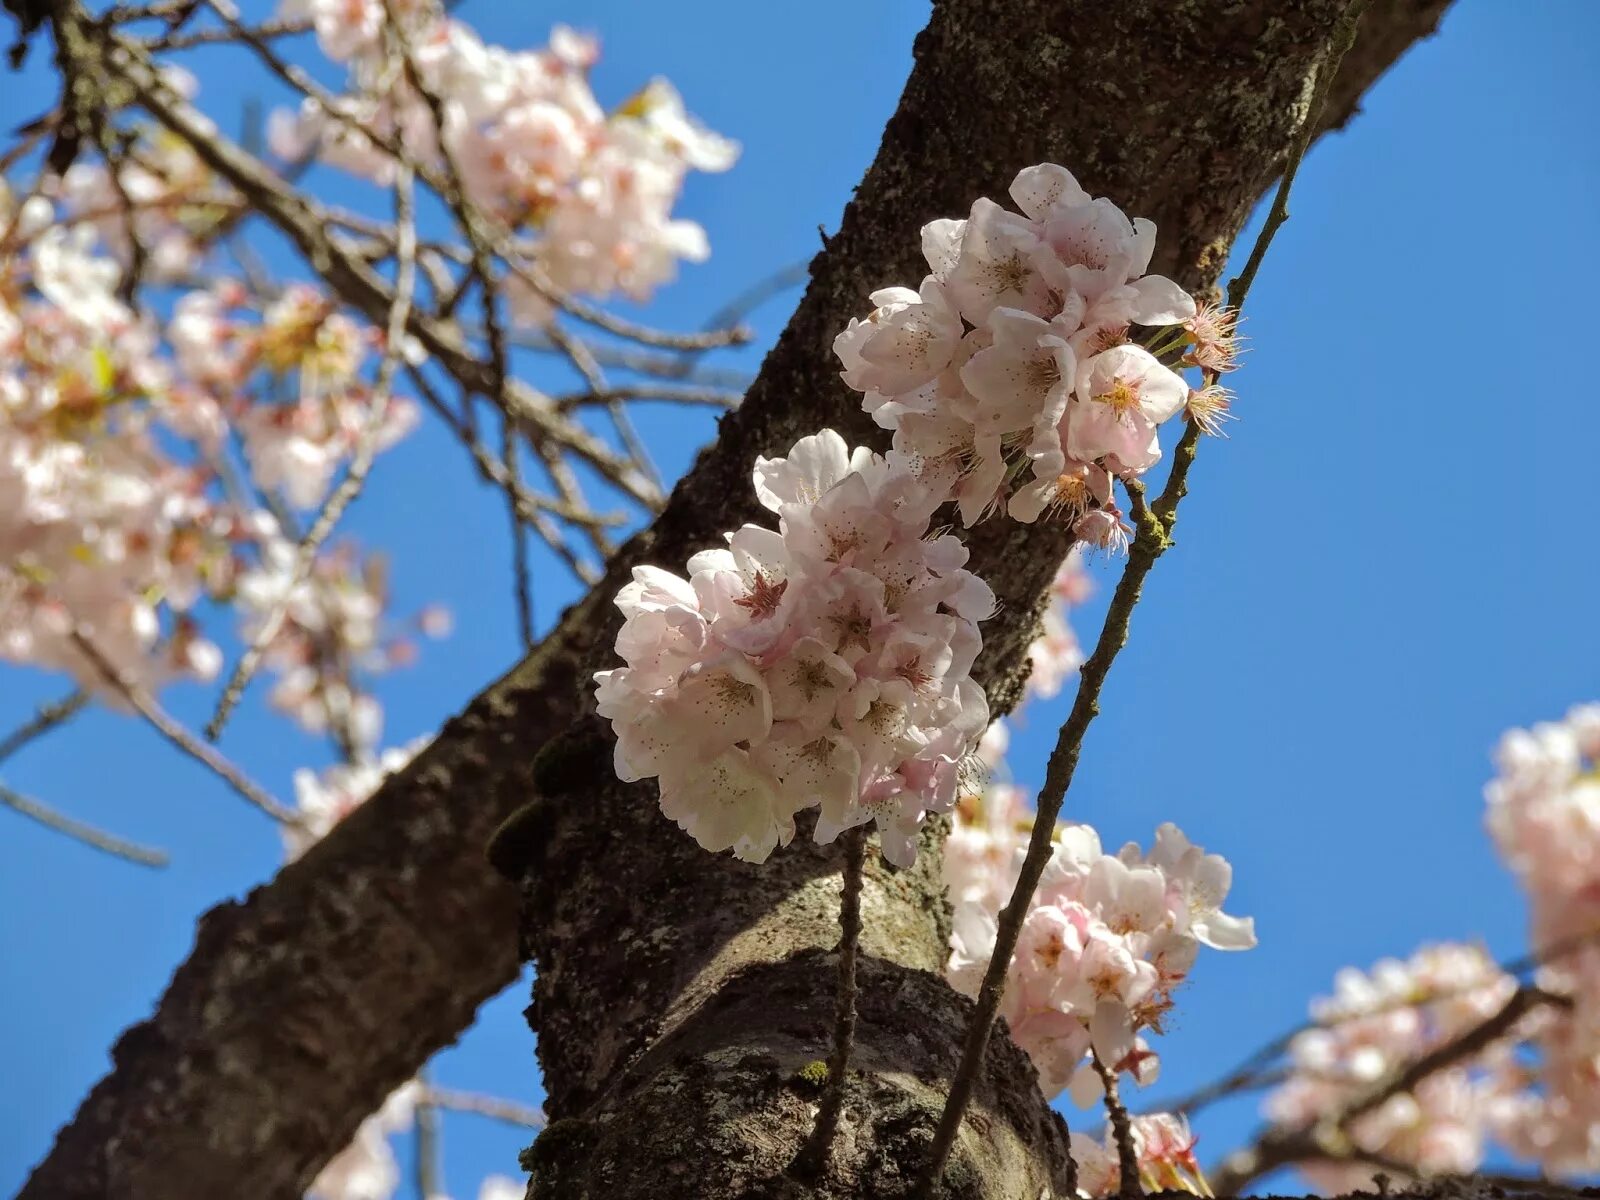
795, 932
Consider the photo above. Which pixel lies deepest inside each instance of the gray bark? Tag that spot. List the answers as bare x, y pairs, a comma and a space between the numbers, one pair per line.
678, 994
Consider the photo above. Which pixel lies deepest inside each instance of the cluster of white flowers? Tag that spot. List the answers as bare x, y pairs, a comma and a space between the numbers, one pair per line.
118, 512
1534, 1090
1544, 815
1164, 1147
593, 190
1377, 1022
822, 663
303, 341
1106, 941
333, 636
100, 530
1037, 341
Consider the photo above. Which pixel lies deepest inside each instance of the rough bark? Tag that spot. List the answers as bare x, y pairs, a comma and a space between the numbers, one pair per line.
300, 1007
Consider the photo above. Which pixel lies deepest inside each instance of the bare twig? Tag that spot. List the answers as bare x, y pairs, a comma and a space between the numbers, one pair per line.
812, 1159
81, 831
668, 393
522, 584
360, 461
1154, 526
1121, 1133
530, 508
48, 717
527, 1116
168, 727
1256, 1070
427, 1145
266, 31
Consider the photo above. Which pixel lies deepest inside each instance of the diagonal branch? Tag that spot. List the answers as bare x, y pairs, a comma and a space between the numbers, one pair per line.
82, 831
50, 716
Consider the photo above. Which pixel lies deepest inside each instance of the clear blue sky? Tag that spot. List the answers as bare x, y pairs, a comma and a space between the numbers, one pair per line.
1387, 564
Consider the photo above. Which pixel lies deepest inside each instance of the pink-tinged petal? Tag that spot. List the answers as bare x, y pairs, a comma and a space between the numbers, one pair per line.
1039, 189
1160, 301
941, 245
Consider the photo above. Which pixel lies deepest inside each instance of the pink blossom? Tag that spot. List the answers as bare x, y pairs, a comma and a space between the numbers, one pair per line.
1010, 377
822, 664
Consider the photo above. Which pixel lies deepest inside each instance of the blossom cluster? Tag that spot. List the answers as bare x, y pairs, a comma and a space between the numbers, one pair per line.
1535, 1091
594, 191
1107, 939
333, 638
1544, 816
120, 512
100, 529
1377, 1022
825, 663
1164, 1147
1038, 342
303, 346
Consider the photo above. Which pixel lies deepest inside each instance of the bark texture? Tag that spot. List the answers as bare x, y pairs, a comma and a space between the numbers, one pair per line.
680, 996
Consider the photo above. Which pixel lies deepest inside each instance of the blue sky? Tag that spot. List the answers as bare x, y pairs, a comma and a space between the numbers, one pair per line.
1388, 563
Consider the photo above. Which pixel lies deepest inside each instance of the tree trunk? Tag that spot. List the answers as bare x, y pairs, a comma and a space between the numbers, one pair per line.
679, 993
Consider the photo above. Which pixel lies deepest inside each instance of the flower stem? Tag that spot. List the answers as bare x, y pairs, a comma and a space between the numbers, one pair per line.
813, 1156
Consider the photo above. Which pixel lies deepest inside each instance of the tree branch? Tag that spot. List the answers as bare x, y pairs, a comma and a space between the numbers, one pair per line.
1329, 1138
82, 831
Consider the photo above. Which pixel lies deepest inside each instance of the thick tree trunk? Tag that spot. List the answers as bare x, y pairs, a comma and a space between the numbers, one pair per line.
678, 993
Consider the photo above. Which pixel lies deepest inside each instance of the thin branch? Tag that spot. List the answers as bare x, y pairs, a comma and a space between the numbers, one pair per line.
168, 727
530, 508
667, 393
481, 243
527, 1116
662, 339
1482, 1035
210, 37
1121, 1132
1154, 527
683, 365
427, 1144
81, 831
812, 1160
360, 462
522, 584
48, 717
1253, 1072
1329, 1137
